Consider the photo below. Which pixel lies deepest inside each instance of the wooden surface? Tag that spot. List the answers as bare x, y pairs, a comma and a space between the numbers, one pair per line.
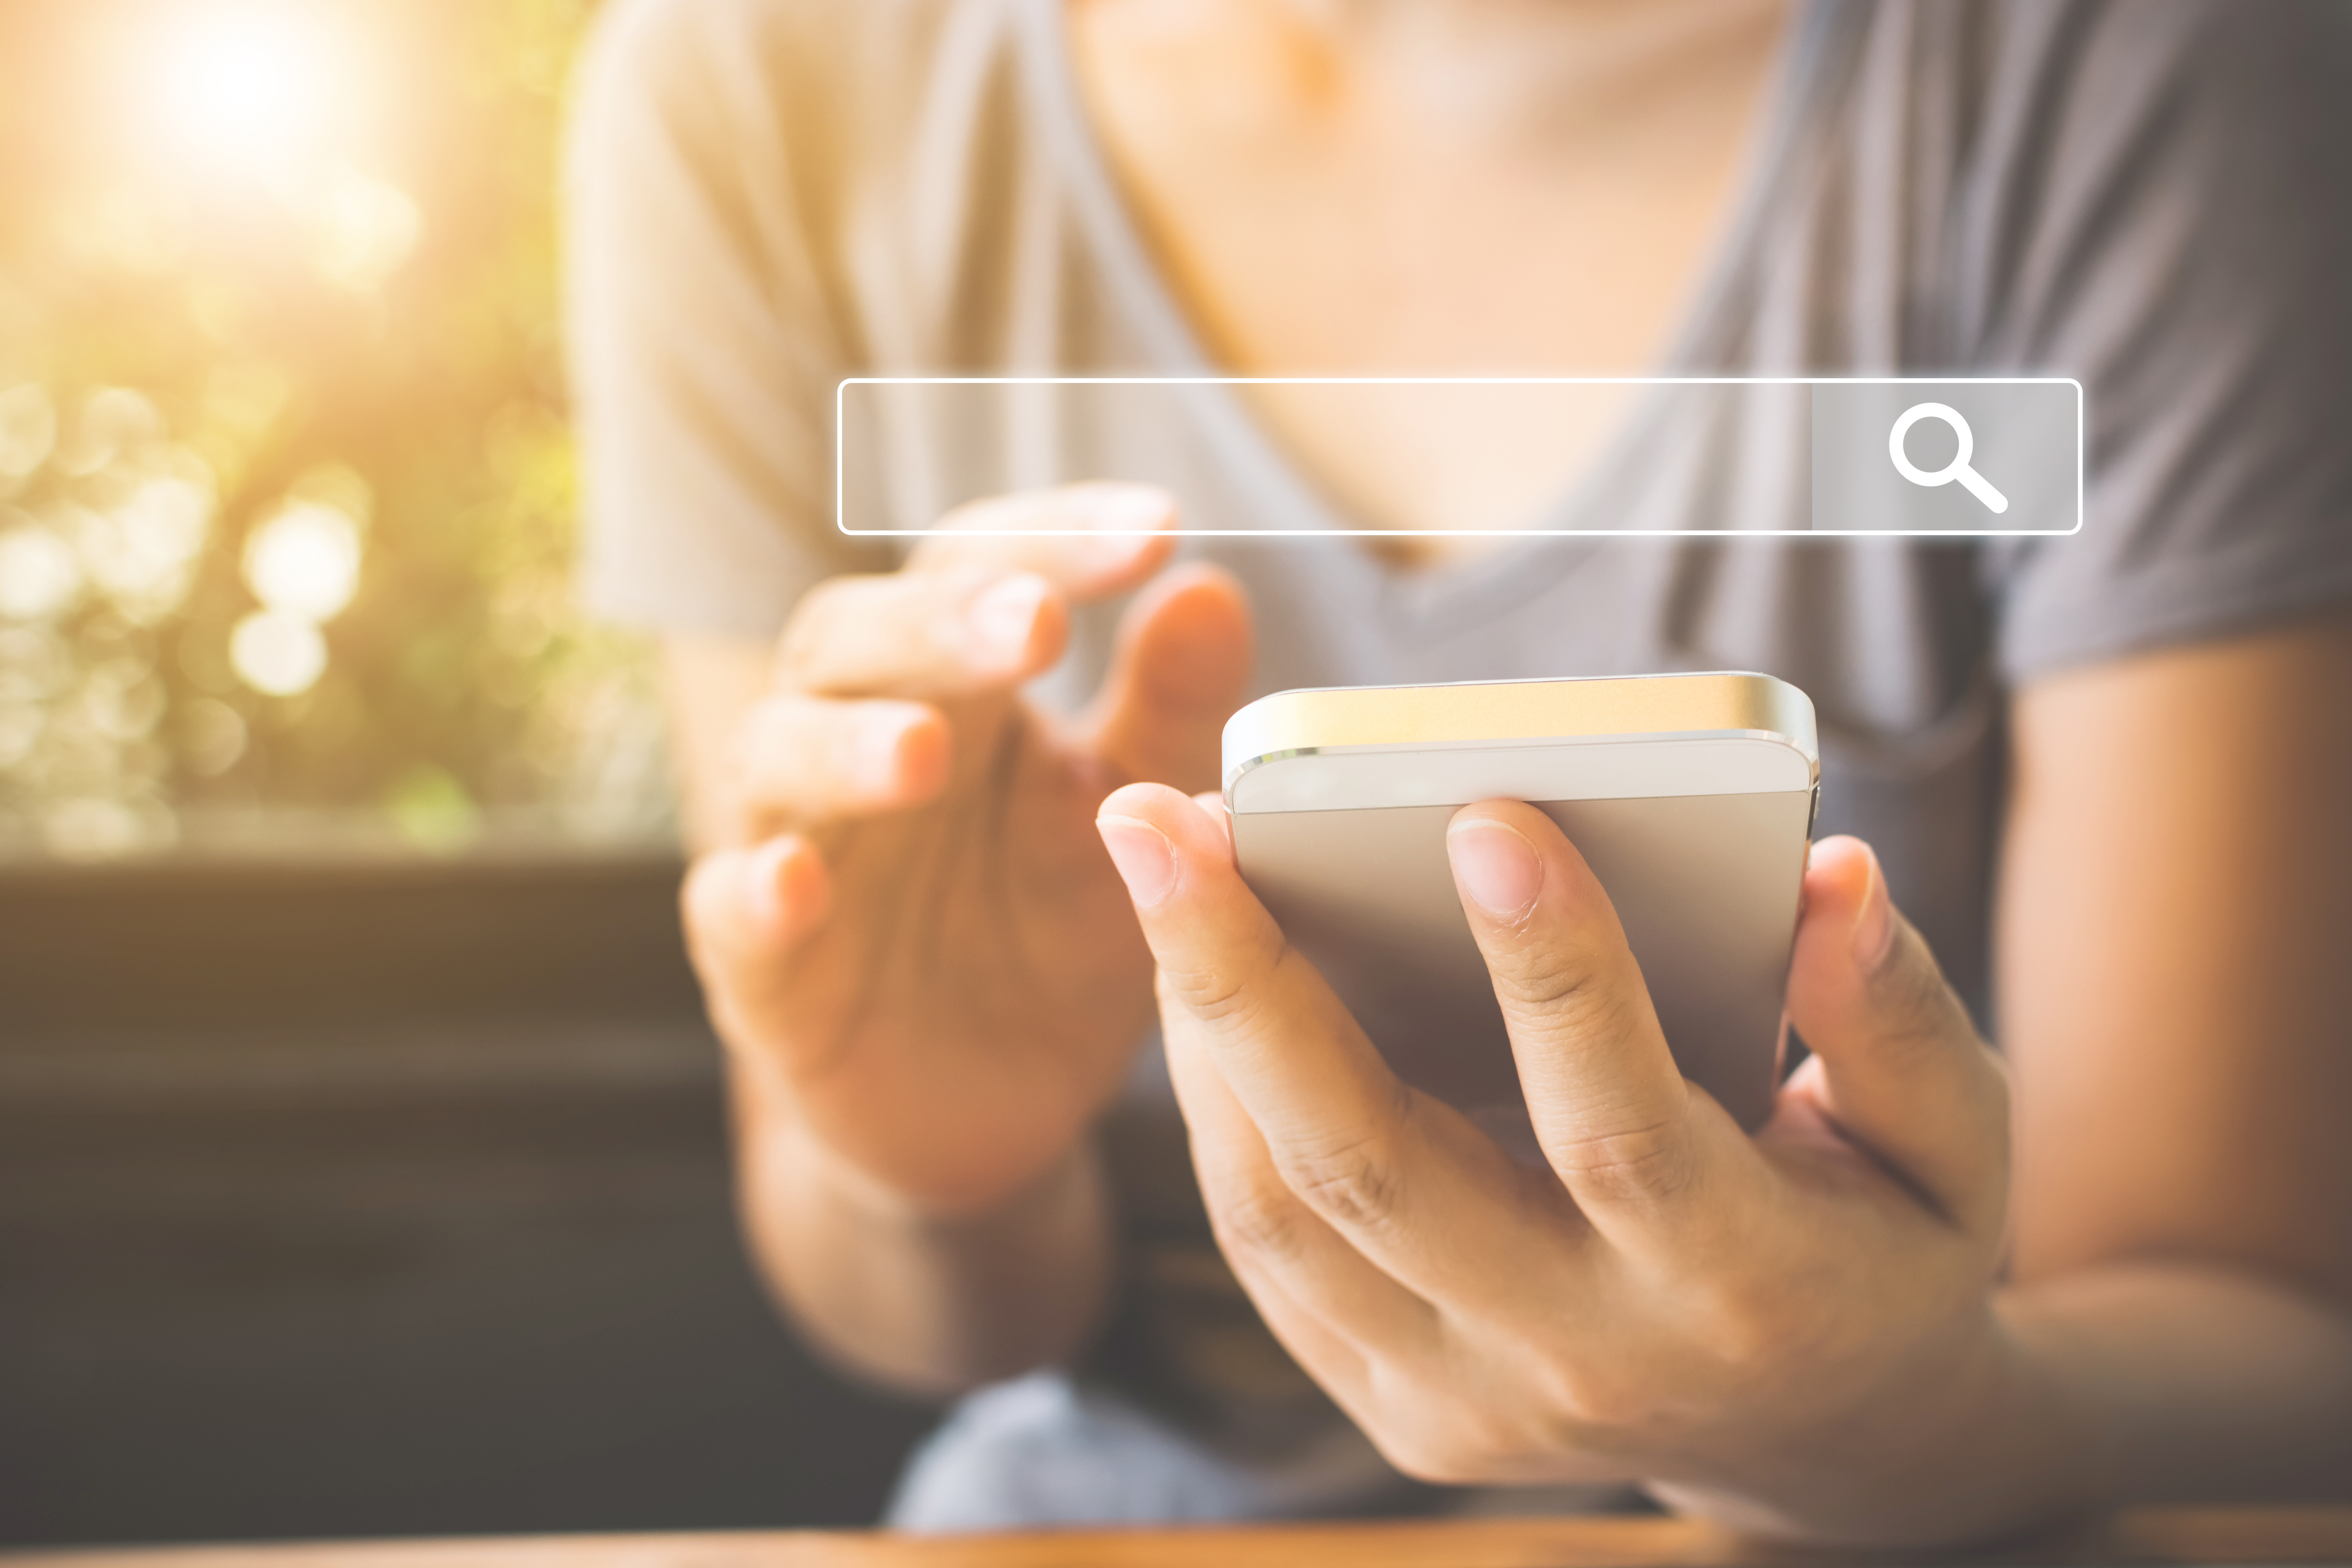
2303, 1536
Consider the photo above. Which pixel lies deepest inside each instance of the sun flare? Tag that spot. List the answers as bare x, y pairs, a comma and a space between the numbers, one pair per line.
243, 89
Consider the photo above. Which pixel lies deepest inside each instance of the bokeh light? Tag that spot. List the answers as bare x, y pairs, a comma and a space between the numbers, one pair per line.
243, 89
141, 551
40, 577
278, 653
305, 560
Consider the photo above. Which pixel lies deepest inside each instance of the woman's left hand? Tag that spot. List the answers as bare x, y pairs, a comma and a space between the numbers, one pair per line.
1790, 1331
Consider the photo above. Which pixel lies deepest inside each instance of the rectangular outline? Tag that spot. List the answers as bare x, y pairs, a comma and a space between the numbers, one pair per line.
2082, 440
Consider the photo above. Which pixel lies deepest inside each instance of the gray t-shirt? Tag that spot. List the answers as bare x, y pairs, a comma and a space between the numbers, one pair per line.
767, 196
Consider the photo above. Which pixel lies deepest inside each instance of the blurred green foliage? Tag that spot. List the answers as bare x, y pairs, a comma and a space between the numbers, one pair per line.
275, 282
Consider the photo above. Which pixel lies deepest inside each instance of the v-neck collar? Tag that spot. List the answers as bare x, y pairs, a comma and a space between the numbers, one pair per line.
1814, 62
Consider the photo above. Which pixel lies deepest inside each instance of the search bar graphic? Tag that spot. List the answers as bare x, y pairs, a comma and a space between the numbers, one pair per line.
1611, 456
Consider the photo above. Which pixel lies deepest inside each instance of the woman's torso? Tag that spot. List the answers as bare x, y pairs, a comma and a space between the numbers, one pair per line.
1939, 187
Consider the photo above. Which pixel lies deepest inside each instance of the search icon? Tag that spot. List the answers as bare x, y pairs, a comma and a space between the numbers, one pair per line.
1957, 469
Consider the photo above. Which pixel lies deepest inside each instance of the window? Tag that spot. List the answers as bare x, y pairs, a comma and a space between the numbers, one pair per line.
286, 492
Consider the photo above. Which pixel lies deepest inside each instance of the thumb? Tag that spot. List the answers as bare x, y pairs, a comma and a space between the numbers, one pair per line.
1182, 662
1903, 1072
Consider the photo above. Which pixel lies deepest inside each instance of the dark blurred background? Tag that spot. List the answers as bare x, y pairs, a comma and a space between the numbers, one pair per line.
361, 1161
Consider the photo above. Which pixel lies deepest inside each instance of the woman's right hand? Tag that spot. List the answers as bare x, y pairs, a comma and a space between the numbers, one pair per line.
912, 938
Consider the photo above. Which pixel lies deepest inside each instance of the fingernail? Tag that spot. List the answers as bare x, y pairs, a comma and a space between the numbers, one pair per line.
1146, 860
875, 751
1003, 615
1874, 922
1496, 866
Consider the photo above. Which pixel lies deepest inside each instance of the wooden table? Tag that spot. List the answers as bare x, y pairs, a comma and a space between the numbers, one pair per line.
2151, 1537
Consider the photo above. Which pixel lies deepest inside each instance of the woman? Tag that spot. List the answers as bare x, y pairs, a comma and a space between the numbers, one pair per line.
2103, 769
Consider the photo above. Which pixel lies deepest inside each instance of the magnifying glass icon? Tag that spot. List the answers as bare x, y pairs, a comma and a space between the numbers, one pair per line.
1957, 469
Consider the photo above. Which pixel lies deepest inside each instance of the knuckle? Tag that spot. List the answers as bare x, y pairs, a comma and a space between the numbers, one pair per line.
1456, 1427
1648, 1161
1255, 1218
1542, 973
1568, 989
1229, 994
1351, 1184
1593, 1404
1593, 1401
1420, 1452
1463, 1446
1754, 1324
1353, 1180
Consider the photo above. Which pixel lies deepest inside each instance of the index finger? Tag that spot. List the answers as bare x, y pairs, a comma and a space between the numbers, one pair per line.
1612, 1112
1087, 539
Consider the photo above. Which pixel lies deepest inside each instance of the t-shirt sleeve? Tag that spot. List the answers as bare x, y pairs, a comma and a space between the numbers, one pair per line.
2173, 226
703, 354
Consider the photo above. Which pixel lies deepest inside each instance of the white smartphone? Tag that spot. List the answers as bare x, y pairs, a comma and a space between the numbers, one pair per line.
1691, 796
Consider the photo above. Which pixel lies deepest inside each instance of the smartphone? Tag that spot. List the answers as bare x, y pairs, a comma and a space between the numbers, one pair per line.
1691, 796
